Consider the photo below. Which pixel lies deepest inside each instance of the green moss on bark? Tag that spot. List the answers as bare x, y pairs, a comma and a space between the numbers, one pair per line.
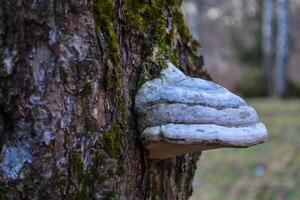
182, 29
113, 139
104, 16
63, 74
103, 11
113, 80
120, 171
98, 162
77, 167
150, 16
77, 170
86, 90
109, 195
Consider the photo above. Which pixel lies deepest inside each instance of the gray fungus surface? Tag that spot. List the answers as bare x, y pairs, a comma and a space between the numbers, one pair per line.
178, 114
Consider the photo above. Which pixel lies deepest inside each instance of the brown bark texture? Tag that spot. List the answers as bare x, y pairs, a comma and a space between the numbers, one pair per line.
69, 72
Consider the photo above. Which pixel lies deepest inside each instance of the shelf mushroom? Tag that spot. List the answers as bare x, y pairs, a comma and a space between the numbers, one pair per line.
178, 114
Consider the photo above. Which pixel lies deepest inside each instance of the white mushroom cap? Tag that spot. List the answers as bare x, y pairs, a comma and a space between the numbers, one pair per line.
178, 114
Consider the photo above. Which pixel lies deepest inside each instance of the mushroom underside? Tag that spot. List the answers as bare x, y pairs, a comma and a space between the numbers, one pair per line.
176, 139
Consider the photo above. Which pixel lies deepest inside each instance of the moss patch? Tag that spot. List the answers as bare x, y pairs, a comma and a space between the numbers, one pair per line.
98, 162
180, 24
78, 171
103, 11
63, 75
86, 90
113, 138
109, 195
77, 165
120, 171
150, 17
104, 17
81, 195
113, 79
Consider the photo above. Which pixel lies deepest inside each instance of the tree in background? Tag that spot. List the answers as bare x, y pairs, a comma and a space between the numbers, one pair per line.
267, 42
241, 40
281, 48
276, 76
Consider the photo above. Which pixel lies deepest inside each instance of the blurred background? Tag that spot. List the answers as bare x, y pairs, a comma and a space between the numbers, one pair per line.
252, 47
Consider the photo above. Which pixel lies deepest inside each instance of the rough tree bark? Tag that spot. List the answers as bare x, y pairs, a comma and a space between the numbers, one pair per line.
69, 71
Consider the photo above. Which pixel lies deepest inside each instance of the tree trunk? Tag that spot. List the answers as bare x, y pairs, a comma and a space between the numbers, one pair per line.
267, 43
281, 47
69, 71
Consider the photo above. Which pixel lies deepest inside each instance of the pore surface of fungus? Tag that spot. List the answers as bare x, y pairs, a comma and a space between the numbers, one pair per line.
178, 114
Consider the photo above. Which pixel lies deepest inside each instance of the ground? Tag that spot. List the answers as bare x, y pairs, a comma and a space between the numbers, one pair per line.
267, 171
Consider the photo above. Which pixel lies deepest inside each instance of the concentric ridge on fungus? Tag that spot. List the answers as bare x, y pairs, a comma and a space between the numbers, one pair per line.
178, 114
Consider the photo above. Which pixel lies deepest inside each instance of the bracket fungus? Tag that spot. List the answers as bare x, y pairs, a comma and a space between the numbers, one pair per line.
178, 114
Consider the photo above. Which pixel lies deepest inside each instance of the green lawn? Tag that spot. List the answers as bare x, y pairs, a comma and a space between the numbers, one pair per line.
267, 171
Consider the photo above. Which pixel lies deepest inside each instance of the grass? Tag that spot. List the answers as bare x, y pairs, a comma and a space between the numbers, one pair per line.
266, 171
